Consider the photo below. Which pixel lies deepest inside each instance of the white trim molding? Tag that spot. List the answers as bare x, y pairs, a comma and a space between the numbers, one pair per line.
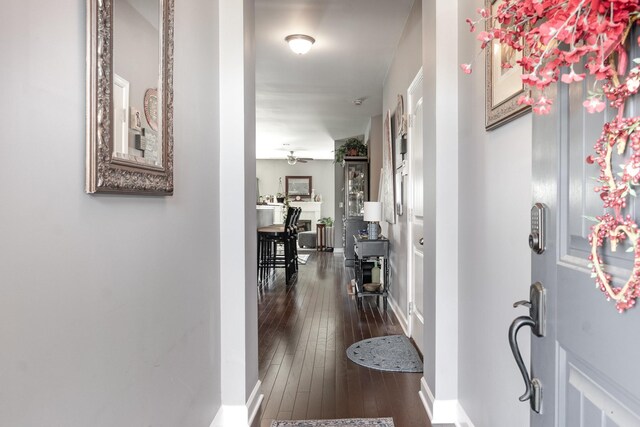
240, 415
463, 418
254, 402
443, 411
402, 318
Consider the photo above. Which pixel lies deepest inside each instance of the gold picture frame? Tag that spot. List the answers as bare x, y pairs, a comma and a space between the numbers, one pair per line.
503, 86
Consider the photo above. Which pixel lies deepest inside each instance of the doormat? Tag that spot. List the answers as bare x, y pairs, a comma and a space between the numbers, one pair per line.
393, 353
351, 422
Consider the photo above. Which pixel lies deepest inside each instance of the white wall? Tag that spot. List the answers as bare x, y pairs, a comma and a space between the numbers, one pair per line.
321, 172
440, 64
104, 322
495, 267
404, 68
238, 302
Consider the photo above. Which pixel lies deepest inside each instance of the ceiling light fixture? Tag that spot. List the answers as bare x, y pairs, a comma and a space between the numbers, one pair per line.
300, 43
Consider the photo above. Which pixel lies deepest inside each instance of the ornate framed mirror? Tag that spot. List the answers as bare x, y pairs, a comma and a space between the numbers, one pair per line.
130, 96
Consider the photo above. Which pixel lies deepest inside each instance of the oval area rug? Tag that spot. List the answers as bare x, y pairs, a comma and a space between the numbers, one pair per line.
393, 353
350, 422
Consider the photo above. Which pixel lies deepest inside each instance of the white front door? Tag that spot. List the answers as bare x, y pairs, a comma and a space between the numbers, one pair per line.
587, 361
415, 211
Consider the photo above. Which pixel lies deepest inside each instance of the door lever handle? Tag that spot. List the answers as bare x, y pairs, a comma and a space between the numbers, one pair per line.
536, 321
533, 386
518, 323
522, 302
421, 241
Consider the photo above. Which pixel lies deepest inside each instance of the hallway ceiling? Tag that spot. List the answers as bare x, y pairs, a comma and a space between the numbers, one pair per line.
307, 101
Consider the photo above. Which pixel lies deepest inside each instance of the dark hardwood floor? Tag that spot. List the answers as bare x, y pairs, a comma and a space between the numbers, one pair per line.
304, 331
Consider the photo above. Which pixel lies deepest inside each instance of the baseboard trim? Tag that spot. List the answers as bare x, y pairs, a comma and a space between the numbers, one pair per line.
239, 415
231, 415
443, 411
463, 418
426, 397
399, 314
254, 402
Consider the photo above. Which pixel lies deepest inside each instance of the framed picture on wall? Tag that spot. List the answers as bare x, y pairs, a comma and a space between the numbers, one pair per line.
298, 186
135, 121
503, 82
388, 172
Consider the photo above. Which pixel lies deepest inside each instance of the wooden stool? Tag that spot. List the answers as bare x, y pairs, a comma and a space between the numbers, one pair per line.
321, 241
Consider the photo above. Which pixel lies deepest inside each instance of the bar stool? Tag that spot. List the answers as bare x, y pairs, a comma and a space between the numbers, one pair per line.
269, 238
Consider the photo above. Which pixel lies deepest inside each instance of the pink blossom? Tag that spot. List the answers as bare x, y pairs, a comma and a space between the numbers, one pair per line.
525, 99
575, 55
483, 12
572, 77
530, 79
485, 38
594, 105
466, 68
601, 71
633, 84
472, 25
543, 106
547, 31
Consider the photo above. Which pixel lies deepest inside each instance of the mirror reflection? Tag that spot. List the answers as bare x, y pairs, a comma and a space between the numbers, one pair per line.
137, 81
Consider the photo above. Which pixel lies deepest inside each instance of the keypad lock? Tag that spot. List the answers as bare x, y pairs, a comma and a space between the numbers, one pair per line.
537, 235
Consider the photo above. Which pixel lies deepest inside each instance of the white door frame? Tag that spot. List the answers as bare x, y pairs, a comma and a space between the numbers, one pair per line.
409, 202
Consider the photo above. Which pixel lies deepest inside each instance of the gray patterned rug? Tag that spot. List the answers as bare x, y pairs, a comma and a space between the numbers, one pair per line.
392, 353
351, 422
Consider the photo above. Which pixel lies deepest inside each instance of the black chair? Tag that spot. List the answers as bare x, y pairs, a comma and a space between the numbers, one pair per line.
294, 235
272, 237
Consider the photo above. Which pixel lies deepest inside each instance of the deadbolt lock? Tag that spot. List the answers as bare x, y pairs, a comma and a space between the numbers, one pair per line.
537, 234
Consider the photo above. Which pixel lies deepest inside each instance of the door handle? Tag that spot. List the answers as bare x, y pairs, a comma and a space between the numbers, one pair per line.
536, 321
421, 241
533, 387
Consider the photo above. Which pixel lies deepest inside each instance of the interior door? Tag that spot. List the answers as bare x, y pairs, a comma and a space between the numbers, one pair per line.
586, 360
415, 211
120, 114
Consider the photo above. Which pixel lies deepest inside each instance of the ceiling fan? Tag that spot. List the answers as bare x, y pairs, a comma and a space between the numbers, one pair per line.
292, 160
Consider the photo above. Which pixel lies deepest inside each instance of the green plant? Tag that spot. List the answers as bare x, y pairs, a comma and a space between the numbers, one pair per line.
351, 147
328, 221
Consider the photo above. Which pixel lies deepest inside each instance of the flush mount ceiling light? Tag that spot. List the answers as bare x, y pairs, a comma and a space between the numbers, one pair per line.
300, 43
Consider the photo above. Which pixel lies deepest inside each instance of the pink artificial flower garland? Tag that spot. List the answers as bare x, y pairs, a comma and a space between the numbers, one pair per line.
560, 33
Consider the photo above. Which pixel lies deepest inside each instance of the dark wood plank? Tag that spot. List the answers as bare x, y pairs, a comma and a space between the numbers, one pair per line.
304, 330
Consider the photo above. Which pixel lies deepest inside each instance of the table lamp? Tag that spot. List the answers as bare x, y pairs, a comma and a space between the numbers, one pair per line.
373, 214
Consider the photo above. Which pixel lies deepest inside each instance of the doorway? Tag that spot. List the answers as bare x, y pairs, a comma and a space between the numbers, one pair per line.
415, 212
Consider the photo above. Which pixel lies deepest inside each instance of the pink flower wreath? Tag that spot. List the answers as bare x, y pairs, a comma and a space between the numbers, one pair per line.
553, 34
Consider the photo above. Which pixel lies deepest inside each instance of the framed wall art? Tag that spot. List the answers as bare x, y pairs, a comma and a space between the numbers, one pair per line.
298, 186
503, 83
388, 172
